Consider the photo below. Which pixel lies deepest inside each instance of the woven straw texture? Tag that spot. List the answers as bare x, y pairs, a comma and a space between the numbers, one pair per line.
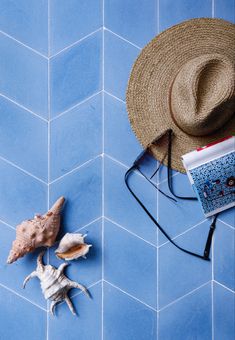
184, 80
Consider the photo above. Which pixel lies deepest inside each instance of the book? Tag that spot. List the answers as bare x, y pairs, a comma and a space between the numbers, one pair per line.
211, 171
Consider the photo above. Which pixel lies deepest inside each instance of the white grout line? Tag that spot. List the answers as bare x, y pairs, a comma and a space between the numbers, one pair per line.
157, 288
126, 166
80, 292
22, 107
213, 8
48, 307
103, 188
22, 44
112, 95
88, 224
49, 122
158, 16
118, 162
182, 297
122, 38
137, 172
75, 169
220, 284
157, 179
75, 106
133, 297
81, 228
212, 288
128, 231
48, 145
102, 247
184, 232
102, 285
158, 318
75, 43
103, 14
23, 297
75, 231
122, 164
212, 258
166, 179
24, 171
212, 310
225, 223
8, 225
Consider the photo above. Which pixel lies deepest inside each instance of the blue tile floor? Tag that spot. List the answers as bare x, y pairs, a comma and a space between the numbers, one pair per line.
64, 130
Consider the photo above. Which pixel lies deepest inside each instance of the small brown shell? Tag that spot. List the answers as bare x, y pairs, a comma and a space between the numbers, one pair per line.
72, 246
38, 232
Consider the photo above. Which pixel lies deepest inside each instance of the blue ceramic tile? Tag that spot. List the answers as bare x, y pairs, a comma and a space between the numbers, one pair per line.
82, 190
224, 255
173, 12
162, 175
76, 137
134, 20
23, 139
27, 23
184, 213
130, 264
86, 271
20, 319
76, 74
72, 20
86, 325
180, 273
122, 208
126, 318
120, 142
23, 76
149, 167
13, 275
225, 9
21, 196
118, 59
228, 216
224, 314
188, 318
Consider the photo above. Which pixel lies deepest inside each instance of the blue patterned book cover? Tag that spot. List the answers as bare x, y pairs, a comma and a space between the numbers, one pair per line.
211, 171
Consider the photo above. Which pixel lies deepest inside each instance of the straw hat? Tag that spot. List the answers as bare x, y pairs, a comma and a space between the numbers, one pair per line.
184, 80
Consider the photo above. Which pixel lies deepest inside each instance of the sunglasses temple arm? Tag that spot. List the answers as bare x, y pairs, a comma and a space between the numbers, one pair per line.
158, 168
154, 185
209, 238
127, 174
169, 170
136, 165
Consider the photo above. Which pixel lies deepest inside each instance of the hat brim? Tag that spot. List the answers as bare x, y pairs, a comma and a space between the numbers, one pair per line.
148, 92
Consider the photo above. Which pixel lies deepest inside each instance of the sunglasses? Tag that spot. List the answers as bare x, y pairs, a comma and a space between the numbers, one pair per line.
137, 167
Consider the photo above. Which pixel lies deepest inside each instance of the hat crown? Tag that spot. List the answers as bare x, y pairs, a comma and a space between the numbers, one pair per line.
202, 94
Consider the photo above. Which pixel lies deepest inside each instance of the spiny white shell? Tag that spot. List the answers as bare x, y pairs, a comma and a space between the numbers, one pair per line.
55, 285
69, 249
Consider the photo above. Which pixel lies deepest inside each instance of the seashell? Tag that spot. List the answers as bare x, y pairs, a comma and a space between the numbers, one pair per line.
72, 246
55, 285
38, 232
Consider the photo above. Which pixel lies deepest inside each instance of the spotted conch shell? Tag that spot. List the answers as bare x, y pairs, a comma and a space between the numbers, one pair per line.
72, 246
38, 232
55, 285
